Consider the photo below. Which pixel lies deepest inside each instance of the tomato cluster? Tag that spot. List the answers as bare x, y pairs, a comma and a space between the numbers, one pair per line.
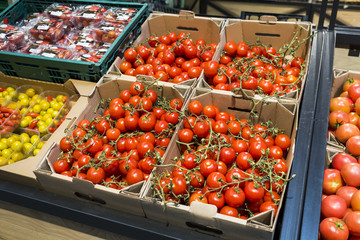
235, 165
171, 57
121, 146
258, 68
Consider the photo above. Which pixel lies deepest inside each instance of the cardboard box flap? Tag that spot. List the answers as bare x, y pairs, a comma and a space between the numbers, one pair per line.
198, 27
265, 219
268, 19
185, 14
82, 87
203, 210
339, 72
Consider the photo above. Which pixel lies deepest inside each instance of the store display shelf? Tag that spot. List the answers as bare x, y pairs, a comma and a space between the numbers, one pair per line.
311, 214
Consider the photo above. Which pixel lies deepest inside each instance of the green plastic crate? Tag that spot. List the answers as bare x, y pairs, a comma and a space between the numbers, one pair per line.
60, 70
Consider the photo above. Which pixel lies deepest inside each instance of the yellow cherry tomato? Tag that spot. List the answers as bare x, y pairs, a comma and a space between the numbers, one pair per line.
3, 146
16, 146
34, 139
30, 92
36, 151
25, 137
40, 145
3, 161
27, 147
43, 128
44, 104
36, 108
17, 156
24, 123
6, 152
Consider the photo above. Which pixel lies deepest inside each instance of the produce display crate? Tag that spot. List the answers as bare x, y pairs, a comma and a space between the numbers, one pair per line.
270, 32
60, 70
21, 172
127, 199
209, 29
204, 217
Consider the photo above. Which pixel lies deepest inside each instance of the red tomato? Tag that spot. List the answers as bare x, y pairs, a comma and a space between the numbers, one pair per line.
353, 223
333, 206
354, 91
208, 166
337, 118
282, 141
195, 107
254, 192
257, 149
179, 186
186, 135
215, 180
61, 165
134, 176
350, 172
341, 104
340, 159
234, 197
268, 206
217, 199
211, 68
332, 181
333, 228
95, 175
65, 144
353, 145
230, 211
346, 192
198, 196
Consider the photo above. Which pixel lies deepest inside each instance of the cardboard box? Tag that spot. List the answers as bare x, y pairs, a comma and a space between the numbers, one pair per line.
208, 29
127, 199
268, 31
22, 171
204, 217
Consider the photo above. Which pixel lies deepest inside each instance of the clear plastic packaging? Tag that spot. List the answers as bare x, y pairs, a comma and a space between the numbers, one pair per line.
119, 15
56, 52
44, 110
100, 50
12, 152
60, 11
88, 15
12, 37
107, 32
51, 30
10, 116
34, 48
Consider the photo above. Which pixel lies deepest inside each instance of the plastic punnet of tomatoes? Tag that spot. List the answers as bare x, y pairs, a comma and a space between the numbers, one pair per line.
48, 29
261, 58
10, 116
60, 11
340, 206
119, 15
13, 36
42, 110
88, 15
171, 47
122, 131
61, 116
7, 91
224, 170
107, 32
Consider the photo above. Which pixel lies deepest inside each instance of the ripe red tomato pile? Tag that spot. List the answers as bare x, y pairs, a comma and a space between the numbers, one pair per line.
236, 166
171, 57
258, 67
120, 147
340, 206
